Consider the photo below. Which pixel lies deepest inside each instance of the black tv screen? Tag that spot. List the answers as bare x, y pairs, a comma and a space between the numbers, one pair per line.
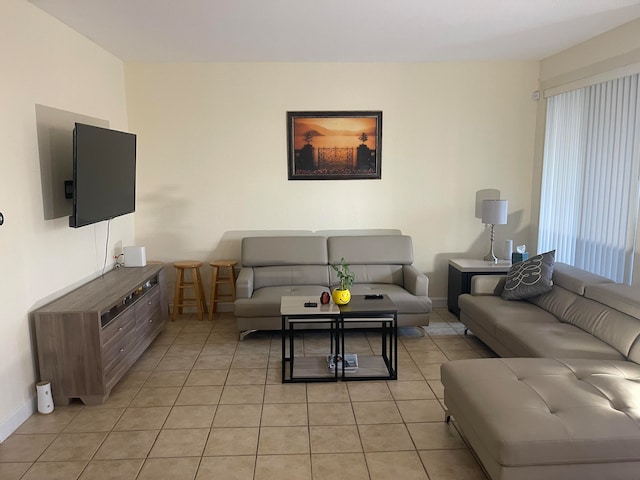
104, 174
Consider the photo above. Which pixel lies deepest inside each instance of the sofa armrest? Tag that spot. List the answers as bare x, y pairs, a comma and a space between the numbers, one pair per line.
244, 283
415, 282
487, 284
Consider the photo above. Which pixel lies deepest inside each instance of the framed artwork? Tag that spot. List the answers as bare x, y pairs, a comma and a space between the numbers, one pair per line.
334, 145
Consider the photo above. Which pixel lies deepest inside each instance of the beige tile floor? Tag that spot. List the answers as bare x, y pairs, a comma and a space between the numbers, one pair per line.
200, 405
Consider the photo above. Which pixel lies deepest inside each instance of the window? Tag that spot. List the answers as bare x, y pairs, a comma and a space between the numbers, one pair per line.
589, 195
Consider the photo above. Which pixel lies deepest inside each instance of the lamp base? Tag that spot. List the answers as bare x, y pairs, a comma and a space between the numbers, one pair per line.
490, 257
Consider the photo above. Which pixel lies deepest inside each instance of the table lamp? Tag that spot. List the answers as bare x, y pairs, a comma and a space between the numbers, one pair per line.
494, 212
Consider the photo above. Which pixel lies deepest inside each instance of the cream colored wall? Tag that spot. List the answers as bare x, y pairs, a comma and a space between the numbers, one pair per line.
611, 50
617, 50
213, 157
44, 62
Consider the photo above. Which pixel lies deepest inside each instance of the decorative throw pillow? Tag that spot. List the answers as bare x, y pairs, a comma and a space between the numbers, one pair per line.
530, 278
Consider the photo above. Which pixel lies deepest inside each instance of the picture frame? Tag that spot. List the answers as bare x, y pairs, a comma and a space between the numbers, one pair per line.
334, 145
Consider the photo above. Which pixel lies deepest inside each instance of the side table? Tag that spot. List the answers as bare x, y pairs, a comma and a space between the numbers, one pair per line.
382, 313
461, 270
294, 312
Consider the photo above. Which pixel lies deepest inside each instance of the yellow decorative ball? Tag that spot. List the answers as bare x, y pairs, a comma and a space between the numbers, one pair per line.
341, 297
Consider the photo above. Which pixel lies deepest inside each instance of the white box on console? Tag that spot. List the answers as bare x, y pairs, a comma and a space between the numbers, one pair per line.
134, 257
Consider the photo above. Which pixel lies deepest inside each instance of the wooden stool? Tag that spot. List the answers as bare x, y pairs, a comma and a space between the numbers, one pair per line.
198, 300
216, 280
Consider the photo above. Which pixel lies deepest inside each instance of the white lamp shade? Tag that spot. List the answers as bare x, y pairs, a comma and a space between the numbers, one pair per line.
494, 211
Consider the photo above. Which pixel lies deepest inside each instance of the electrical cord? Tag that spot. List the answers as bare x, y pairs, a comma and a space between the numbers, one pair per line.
106, 246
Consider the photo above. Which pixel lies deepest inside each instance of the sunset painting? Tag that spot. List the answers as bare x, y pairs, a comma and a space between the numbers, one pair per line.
334, 145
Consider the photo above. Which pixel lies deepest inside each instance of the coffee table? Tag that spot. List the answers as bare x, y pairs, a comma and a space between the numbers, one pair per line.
361, 312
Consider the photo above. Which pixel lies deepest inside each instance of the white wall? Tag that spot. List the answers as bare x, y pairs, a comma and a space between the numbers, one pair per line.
613, 49
213, 158
44, 62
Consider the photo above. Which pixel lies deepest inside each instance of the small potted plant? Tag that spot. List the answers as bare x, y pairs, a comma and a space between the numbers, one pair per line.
341, 295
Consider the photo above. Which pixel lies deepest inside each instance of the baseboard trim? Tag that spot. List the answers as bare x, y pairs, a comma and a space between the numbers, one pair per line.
439, 302
20, 416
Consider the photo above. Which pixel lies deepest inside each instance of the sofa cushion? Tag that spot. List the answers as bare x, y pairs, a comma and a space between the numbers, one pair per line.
634, 351
624, 298
575, 279
371, 250
285, 250
390, 274
530, 278
557, 301
406, 302
604, 323
288, 275
489, 311
266, 301
533, 338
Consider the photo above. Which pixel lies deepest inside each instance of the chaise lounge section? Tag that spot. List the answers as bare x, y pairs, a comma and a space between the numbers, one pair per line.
571, 410
538, 418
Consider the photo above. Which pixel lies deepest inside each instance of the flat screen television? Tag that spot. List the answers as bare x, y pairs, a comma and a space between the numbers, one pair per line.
104, 174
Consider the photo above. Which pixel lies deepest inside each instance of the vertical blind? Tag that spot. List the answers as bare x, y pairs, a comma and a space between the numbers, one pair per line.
590, 179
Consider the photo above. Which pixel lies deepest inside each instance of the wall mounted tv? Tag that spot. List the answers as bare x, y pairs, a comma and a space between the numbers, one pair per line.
104, 174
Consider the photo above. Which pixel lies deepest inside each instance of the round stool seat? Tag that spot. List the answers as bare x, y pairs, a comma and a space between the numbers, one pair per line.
223, 263
187, 264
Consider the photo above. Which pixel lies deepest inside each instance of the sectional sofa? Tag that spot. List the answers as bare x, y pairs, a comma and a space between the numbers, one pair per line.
570, 409
277, 266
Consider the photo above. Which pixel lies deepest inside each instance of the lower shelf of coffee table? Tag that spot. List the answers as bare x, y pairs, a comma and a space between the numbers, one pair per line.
369, 366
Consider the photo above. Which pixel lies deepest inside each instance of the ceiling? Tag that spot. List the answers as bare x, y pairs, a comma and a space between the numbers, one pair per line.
338, 30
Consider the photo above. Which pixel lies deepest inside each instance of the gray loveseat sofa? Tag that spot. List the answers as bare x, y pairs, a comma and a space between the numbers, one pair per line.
277, 266
571, 409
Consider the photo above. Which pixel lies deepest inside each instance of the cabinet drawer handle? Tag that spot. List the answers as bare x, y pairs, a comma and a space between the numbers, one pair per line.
119, 329
121, 350
149, 302
151, 320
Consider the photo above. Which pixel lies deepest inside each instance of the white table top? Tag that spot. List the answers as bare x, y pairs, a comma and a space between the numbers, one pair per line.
291, 305
475, 265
